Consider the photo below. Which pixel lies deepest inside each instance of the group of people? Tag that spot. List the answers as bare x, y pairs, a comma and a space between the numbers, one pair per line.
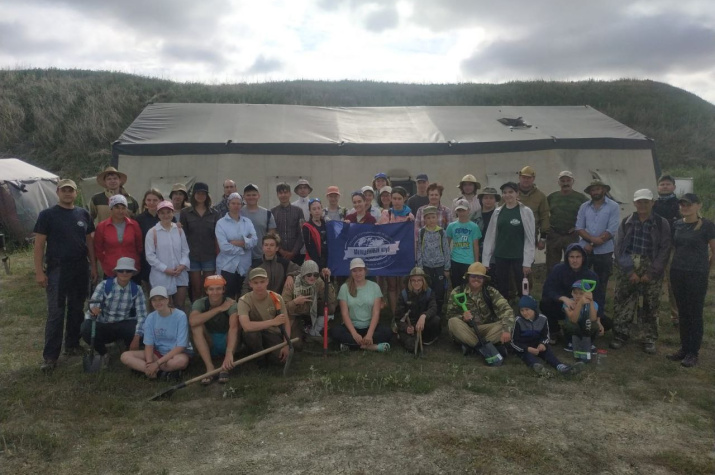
254, 274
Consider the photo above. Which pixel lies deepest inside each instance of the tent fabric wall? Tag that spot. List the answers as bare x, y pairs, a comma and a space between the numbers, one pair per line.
25, 190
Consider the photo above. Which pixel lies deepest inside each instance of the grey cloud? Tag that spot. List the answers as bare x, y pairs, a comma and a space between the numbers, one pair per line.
382, 19
191, 52
16, 41
264, 65
649, 45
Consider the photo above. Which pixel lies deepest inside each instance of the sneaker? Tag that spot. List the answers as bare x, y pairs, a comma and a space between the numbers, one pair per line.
617, 343
48, 365
540, 369
689, 361
73, 351
428, 343
594, 350
677, 356
575, 368
344, 347
649, 347
569, 348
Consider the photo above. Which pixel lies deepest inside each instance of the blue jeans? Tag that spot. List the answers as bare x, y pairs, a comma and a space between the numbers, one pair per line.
67, 287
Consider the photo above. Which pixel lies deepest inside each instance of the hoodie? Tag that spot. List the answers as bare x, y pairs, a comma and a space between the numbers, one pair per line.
558, 282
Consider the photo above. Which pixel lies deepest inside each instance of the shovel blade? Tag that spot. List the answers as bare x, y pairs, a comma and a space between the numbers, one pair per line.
91, 363
491, 354
581, 348
166, 393
289, 359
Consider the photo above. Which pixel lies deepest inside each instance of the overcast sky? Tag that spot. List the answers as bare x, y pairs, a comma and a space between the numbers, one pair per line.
424, 41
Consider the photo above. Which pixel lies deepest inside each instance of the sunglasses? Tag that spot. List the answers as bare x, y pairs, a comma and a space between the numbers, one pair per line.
313, 200
312, 274
124, 271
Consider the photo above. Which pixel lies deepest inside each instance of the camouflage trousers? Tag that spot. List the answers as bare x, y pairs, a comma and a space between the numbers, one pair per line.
626, 303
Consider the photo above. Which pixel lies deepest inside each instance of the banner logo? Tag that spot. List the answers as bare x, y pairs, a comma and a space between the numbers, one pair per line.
377, 249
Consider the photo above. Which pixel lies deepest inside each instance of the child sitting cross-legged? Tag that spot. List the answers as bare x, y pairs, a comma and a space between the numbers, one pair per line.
530, 339
581, 317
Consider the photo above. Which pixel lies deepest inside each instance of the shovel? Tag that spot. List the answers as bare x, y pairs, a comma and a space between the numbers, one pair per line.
325, 318
487, 349
91, 362
418, 346
291, 350
582, 345
166, 393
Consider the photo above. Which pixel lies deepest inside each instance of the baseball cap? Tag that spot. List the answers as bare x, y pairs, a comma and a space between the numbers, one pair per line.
200, 186
66, 182
644, 194
117, 200
689, 198
387, 189
380, 175
421, 177
165, 204
566, 173
461, 204
257, 272
429, 210
158, 291
250, 187
356, 262
367, 188
527, 171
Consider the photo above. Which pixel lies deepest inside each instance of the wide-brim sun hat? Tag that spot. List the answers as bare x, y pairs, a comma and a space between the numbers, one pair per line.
302, 181
477, 268
469, 178
596, 183
125, 263
107, 171
490, 191
419, 272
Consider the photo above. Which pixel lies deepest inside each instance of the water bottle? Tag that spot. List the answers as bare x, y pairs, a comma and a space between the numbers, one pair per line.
601, 358
525, 286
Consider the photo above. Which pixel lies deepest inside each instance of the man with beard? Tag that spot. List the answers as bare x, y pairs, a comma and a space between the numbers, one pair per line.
563, 206
229, 186
596, 225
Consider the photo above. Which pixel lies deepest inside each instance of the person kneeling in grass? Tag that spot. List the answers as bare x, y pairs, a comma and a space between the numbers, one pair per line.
260, 318
360, 303
166, 339
215, 328
417, 311
530, 339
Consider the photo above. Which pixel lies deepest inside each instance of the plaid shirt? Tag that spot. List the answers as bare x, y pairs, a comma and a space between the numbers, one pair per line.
641, 242
289, 220
444, 217
118, 304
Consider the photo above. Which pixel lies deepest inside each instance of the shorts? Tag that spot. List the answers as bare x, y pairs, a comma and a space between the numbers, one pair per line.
202, 266
218, 344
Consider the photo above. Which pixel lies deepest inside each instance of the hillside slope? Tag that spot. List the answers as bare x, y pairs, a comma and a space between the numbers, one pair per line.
65, 120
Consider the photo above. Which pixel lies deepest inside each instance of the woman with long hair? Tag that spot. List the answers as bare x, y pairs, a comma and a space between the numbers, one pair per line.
199, 223
360, 215
360, 303
315, 237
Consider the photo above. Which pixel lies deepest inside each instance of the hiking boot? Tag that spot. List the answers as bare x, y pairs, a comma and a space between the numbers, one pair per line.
73, 351
48, 365
540, 369
649, 347
569, 347
617, 343
428, 343
677, 356
689, 361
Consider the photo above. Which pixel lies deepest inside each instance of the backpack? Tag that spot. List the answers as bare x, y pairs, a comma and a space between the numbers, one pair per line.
133, 287
421, 241
268, 221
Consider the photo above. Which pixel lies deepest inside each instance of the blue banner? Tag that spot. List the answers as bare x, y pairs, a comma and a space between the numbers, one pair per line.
387, 249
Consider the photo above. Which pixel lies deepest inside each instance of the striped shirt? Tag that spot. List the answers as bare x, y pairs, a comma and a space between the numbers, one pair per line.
118, 303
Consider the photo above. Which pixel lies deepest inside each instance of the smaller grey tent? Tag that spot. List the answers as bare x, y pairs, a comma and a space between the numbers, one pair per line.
25, 190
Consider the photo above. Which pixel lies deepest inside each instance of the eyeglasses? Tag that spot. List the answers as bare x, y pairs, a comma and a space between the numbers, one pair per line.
473, 276
312, 274
124, 271
313, 200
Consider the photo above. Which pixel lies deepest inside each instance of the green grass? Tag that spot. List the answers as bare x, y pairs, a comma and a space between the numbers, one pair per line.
70, 421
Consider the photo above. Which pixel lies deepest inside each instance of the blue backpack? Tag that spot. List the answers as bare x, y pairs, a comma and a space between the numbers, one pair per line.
134, 288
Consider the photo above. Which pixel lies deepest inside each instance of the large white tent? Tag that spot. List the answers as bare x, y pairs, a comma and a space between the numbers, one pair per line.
267, 144
25, 190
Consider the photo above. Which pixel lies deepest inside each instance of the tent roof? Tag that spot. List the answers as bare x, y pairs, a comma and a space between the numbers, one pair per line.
13, 169
179, 129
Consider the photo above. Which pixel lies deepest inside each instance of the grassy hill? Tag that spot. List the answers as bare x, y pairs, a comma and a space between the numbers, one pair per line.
65, 120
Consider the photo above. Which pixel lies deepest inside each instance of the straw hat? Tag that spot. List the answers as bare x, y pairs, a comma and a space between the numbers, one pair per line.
107, 171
